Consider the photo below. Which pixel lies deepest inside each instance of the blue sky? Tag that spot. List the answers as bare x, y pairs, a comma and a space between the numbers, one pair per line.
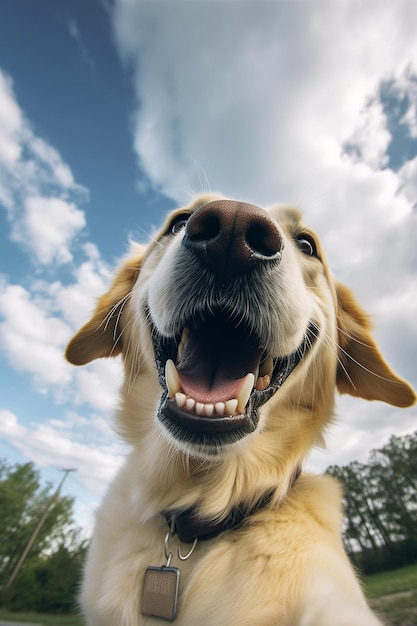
112, 113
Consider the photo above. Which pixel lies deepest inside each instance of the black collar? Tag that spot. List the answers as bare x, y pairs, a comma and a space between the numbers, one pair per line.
189, 527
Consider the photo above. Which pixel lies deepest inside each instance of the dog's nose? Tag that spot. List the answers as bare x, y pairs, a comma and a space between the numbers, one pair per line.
231, 237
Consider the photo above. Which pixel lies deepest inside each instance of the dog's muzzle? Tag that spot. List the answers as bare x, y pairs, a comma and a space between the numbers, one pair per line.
217, 371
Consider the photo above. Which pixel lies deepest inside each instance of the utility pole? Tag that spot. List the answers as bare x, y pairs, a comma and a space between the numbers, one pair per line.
36, 532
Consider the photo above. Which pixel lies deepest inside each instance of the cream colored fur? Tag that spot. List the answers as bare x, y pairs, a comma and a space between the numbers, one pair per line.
286, 565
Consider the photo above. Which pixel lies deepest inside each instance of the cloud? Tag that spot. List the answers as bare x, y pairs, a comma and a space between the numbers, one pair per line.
370, 141
47, 227
11, 123
359, 428
263, 99
35, 328
57, 444
31, 338
41, 197
37, 187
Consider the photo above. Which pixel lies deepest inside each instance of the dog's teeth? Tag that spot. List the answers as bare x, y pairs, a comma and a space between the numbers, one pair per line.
266, 367
190, 404
231, 406
199, 408
245, 391
171, 378
184, 338
185, 335
262, 383
180, 399
219, 408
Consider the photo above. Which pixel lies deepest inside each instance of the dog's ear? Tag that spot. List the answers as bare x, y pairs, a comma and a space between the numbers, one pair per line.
100, 336
362, 370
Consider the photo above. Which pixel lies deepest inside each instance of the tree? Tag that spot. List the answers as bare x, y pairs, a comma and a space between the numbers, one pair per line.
381, 505
50, 584
51, 572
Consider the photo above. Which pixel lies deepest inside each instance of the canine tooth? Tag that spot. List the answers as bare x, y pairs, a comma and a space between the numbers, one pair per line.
185, 335
219, 408
231, 406
209, 409
184, 338
263, 382
199, 408
266, 366
180, 399
245, 391
171, 378
190, 404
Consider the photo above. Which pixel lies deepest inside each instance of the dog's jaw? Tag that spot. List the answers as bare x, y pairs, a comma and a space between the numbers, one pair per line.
207, 425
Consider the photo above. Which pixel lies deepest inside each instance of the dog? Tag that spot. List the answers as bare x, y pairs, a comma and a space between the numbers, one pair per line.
234, 337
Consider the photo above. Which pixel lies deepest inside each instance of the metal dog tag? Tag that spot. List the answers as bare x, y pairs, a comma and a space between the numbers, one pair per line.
160, 592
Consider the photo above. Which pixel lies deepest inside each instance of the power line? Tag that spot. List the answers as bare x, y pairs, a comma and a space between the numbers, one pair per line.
36, 532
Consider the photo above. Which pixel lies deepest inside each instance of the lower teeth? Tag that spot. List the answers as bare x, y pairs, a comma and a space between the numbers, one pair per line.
199, 408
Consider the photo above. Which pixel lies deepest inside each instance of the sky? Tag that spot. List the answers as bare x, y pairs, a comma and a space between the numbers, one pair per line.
114, 113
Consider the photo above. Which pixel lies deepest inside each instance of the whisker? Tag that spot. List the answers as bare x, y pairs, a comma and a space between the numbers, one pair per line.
151, 238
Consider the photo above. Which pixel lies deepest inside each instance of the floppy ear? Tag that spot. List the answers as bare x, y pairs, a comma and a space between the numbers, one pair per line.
363, 371
100, 336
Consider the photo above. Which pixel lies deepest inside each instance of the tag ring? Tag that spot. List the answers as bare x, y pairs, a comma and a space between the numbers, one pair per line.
189, 553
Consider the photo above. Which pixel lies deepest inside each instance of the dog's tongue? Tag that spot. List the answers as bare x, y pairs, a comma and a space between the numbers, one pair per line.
215, 359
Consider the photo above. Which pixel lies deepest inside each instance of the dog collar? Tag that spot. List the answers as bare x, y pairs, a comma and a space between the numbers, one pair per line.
189, 527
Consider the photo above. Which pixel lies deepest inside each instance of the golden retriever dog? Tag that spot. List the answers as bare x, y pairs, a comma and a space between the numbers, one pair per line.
234, 337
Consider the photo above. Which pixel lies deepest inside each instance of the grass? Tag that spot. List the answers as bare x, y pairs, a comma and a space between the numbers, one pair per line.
393, 581
393, 595
44, 619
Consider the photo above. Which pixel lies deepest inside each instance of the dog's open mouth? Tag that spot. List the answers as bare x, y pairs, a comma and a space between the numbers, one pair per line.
215, 376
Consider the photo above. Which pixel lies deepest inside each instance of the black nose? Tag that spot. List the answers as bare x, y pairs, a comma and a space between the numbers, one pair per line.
231, 237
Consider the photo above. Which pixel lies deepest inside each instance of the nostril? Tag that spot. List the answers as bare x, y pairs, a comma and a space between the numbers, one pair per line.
263, 239
204, 227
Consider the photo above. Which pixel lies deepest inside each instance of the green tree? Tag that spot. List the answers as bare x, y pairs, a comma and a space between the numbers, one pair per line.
380, 504
50, 584
51, 572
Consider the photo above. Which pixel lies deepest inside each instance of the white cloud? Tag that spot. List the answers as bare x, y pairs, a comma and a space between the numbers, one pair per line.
263, 97
47, 228
37, 187
75, 301
370, 140
48, 155
54, 444
98, 384
31, 338
11, 123
406, 84
34, 331
359, 428
40, 195
408, 178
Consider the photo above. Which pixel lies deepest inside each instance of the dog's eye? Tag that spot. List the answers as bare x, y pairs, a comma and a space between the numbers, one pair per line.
178, 224
307, 245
